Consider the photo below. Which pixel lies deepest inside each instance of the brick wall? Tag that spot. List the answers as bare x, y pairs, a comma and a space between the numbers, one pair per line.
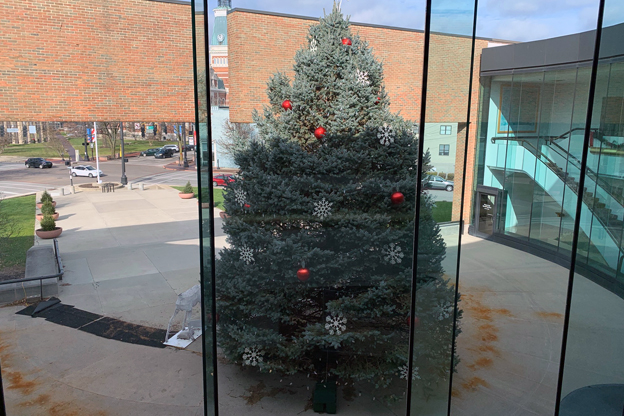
96, 60
263, 44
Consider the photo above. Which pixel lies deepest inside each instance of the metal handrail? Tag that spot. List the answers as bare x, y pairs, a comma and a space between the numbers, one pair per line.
579, 192
59, 266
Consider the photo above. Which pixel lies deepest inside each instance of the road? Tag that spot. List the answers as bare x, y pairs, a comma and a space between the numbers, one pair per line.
16, 179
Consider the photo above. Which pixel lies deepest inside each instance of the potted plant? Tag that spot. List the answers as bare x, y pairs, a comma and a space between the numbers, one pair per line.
45, 196
187, 192
47, 209
48, 228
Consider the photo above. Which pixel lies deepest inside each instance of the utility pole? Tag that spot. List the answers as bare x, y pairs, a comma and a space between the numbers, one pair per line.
124, 179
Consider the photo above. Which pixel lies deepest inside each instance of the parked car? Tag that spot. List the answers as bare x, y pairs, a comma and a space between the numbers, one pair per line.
84, 170
173, 147
188, 147
37, 162
437, 182
221, 180
163, 153
150, 152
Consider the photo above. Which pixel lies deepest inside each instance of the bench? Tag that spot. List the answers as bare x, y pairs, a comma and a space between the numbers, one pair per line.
43, 271
108, 187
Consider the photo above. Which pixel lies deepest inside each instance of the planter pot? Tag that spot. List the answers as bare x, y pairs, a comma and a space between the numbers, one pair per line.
223, 215
49, 234
55, 216
205, 205
39, 205
186, 196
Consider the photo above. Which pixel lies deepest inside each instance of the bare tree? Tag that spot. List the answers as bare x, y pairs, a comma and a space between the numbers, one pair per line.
110, 133
237, 137
56, 144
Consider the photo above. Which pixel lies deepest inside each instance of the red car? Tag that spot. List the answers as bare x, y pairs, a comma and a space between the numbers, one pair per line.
220, 180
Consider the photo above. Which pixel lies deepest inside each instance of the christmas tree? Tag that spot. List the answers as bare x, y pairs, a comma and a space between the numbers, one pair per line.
318, 275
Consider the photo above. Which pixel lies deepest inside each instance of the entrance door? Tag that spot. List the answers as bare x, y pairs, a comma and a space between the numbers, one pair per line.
485, 213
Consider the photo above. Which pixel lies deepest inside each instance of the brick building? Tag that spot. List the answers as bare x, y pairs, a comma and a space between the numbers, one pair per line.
261, 44
100, 60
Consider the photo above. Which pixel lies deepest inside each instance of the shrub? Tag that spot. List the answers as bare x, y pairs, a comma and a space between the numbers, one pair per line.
47, 208
450, 176
188, 189
48, 223
45, 196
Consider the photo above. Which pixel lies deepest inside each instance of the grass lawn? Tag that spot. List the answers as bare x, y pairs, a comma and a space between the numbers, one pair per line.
20, 212
30, 150
130, 145
217, 195
41, 149
442, 211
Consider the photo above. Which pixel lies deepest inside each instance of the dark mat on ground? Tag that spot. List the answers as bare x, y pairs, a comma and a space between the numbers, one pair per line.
125, 332
99, 325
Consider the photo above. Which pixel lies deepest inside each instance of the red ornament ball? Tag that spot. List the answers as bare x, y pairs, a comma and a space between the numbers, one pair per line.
397, 198
319, 133
287, 105
247, 206
378, 100
416, 321
346, 41
303, 274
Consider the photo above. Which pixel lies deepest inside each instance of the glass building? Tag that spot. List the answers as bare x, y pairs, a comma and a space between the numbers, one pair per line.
533, 109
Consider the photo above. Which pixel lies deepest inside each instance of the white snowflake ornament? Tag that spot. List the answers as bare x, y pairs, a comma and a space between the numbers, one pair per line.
386, 135
335, 324
444, 311
246, 254
393, 254
322, 208
240, 196
253, 356
313, 45
403, 371
362, 77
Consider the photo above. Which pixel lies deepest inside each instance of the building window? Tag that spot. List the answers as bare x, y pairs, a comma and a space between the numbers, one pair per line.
445, 148
445, 130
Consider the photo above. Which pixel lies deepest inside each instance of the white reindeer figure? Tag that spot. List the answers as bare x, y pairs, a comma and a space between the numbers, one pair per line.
186, 301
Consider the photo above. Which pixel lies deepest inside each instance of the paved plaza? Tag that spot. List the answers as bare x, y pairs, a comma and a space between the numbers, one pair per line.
128, 254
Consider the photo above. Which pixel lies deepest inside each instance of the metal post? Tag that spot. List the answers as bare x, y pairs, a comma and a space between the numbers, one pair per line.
85, 143
2, 408
97, 154
124, 179
186, 165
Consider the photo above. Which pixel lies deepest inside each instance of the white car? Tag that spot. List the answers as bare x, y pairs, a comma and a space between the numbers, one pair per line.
173, 147
84, 170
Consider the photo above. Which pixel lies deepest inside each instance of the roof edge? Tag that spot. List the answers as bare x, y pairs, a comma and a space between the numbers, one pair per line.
403, 29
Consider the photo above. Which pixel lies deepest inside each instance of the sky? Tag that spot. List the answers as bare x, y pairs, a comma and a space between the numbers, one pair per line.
517, 20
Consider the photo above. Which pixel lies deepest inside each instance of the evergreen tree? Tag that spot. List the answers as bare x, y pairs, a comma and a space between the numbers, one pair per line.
319, 272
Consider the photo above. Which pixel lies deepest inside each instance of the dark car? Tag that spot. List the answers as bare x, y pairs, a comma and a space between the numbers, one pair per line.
221, 180
150, 152
37, 162
188, 147
163, 153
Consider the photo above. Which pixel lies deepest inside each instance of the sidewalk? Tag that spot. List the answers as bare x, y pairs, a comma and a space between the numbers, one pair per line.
126, 255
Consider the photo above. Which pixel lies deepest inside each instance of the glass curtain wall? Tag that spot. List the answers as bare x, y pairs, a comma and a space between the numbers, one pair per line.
324, 298
204, 100
592, 378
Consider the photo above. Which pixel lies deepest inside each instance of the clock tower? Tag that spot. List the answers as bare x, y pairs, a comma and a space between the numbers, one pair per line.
218, 42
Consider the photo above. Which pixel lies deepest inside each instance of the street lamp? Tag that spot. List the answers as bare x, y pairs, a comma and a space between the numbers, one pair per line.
186, 165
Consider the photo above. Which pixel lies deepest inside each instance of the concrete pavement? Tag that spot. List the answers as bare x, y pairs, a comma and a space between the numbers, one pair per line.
129, 253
